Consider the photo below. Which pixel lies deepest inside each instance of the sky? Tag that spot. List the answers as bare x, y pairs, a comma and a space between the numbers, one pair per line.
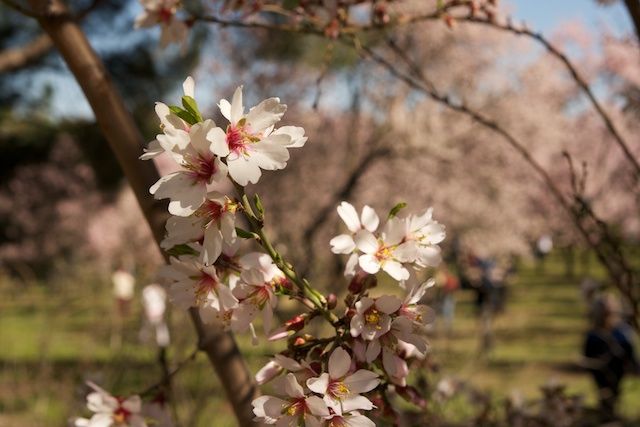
546, 16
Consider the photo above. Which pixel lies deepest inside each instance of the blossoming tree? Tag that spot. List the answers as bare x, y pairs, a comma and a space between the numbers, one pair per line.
340, 375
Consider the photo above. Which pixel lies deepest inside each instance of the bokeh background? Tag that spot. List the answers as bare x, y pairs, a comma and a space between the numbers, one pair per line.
68, 220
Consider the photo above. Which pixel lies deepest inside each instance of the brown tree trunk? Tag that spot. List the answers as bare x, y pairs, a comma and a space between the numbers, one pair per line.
126, 141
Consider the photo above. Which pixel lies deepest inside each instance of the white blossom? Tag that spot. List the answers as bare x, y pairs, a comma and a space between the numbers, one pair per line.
163, 12
213, 225
340, 388
373, 317
200, 167
112, 411
193, 284
251, 142
295, 409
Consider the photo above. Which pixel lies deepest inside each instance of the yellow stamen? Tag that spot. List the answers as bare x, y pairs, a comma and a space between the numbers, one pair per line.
372, 317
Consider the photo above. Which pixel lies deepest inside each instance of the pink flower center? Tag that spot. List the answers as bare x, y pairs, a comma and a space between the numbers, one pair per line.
239, 138
211, 210
337, 421
383, 253
410, 312
225, 317
201, 168
261, 295
296, 407
165, 15
338, 390
372, 317
121, 415
205, 285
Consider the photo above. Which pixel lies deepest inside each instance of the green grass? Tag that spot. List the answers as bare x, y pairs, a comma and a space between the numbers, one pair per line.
54, 336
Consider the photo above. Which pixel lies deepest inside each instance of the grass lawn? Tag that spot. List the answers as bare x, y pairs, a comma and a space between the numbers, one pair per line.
54, 337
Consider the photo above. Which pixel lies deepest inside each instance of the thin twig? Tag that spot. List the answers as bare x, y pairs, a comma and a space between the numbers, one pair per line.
168, 375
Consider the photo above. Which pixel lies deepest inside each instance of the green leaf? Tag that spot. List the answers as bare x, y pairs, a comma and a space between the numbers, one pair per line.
244, 234
192, 107
397, 208
290, 4
179, 250
183, 114
259, 206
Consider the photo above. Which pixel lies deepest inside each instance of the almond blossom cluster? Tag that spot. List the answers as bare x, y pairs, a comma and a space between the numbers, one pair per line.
375, 336
339, 380
402, 242
206, 271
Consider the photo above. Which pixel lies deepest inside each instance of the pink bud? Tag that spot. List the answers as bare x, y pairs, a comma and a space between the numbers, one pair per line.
268, 372
332, 301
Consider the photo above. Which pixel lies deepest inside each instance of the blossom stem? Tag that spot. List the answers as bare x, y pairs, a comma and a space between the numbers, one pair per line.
318, 300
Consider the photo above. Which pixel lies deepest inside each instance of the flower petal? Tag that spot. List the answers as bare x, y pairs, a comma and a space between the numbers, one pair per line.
243, 170
366, 242
212, 245
349, 215
369, 263
395, 270
236, 109
319, 384
265, 114
342, 244
339, 363
188, 86
355, 403
362, 381
218, 140
388, 304
352, 263
317, 406
292, 388
185, 194
373, 351
369, 218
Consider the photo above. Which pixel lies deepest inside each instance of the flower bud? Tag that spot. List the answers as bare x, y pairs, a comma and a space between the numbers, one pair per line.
332, 301
357, 283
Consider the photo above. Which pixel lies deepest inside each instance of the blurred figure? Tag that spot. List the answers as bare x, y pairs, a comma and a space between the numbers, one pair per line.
154, 301
448, 284
590, 289
608, 351
123, 291
123, 288
544, 246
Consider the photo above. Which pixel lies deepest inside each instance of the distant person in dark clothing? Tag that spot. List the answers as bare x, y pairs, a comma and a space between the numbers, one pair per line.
608, 351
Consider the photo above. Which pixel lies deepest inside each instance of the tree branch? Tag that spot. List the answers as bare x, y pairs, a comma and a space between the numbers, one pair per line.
633, 7
351, 30
343, 193
126, 141
19, 57
603, 243
575, 75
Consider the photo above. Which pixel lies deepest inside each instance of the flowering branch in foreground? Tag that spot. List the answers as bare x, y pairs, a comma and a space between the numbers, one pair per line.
334, 380
318, 381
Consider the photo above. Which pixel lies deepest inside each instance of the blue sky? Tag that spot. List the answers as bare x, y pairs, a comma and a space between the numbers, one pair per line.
541, 15
547, 15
